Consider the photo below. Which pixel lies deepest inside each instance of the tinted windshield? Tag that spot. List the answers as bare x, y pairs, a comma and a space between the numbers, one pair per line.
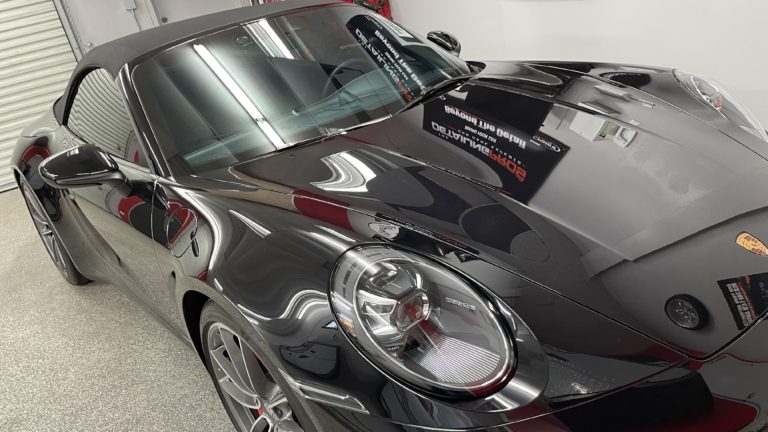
264, 86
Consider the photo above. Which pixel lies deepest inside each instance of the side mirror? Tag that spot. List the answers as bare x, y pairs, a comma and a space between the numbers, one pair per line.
445, 41
85, 165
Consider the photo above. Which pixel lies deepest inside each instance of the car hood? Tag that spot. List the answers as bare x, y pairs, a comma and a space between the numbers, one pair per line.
596, 190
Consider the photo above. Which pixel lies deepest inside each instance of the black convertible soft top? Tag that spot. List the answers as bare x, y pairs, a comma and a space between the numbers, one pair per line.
113, 55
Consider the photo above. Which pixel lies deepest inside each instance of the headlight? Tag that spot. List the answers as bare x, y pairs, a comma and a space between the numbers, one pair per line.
421, 323
716, 96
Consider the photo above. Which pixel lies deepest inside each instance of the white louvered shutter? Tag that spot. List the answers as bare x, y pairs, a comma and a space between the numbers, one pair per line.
35, 64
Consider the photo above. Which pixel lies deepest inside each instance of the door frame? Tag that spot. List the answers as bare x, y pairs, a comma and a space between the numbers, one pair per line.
69, 30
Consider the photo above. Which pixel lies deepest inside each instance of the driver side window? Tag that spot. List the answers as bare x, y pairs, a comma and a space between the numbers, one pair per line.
99, 116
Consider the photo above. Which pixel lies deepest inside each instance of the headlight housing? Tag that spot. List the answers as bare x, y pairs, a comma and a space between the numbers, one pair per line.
718, 98
421, 323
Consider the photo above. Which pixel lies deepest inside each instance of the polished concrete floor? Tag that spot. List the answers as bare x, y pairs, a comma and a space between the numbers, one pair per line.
87, 358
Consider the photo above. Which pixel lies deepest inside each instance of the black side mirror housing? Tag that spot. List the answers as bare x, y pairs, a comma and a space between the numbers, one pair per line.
84, 165
445, 41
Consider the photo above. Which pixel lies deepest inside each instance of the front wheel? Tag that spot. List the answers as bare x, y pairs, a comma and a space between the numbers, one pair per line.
252, 397
50, 239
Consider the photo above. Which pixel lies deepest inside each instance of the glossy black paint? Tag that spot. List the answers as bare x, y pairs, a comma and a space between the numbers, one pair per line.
583, 264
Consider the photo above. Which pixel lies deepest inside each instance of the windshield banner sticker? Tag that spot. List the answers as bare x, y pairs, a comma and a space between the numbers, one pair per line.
746, 297
522, 162
382, 46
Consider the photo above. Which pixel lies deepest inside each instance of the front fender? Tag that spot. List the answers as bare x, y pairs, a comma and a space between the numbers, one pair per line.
271, 258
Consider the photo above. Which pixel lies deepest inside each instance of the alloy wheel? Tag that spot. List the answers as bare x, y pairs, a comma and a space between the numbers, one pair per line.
255, 400
43, 227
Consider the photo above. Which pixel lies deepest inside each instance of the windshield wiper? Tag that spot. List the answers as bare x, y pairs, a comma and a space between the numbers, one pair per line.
436, 90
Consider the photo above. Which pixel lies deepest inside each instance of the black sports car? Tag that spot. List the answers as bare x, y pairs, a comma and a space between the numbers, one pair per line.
357, 230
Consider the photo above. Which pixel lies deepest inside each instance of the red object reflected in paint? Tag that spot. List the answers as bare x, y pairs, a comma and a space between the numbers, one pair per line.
380, 6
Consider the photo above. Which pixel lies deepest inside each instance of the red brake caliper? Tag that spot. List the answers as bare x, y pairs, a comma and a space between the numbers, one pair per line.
259, 411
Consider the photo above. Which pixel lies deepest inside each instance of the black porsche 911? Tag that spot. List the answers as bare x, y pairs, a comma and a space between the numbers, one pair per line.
359, 231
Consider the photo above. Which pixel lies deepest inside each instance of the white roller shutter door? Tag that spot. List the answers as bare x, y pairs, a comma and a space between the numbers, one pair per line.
35, 64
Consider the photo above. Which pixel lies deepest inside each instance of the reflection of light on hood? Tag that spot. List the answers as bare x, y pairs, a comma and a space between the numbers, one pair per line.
505, 402
260, 230
328, 240
296, 308
337, 234
522, 387
350, 174
239, 94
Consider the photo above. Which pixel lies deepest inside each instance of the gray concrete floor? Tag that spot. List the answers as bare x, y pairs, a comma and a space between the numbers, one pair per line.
87, 358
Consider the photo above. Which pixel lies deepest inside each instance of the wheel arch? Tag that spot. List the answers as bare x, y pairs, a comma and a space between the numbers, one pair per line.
192, 304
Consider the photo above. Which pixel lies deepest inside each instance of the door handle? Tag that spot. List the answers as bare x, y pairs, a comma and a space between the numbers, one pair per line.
195, 246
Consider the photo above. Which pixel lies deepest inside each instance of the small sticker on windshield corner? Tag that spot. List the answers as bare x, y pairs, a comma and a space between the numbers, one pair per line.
395, 28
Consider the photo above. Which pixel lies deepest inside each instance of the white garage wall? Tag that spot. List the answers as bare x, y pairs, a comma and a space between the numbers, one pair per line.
94, 22
721, 39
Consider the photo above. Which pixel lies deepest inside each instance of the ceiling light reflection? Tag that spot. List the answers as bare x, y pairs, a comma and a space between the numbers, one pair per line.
240, 95
349, 174
260, 230
296, 308
279, 43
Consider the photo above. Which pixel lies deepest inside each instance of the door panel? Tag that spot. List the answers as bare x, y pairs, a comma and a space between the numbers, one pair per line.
184, 243
122, 217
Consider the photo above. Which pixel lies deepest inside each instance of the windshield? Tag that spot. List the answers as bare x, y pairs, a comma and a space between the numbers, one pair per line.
270, 84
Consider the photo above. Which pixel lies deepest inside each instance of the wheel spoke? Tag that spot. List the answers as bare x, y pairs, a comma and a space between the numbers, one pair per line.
242, 397
235, 353
61, 261
289, 426
276, 397
43, 226
48, 242
258, 379
262, 424
255, 400
56, 250
231, 382
38, 219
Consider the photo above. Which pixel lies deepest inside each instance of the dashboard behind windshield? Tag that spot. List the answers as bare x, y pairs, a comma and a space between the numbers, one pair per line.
268, 85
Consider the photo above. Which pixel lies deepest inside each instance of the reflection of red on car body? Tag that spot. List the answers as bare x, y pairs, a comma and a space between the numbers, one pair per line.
125, 207
183, 216
509, 164
32, 151
726, 415
318, 207
380, 6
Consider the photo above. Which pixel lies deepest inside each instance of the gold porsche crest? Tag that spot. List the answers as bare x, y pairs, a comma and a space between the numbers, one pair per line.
751, 243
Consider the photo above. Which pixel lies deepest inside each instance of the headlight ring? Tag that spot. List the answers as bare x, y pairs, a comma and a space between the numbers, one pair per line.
422, 323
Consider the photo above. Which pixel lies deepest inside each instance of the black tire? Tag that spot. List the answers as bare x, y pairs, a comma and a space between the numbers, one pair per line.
51, 240
212, 319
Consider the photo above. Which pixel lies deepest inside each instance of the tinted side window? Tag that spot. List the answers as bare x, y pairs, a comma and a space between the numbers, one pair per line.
99, 117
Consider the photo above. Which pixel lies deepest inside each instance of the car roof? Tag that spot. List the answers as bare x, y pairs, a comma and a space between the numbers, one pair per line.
112, 56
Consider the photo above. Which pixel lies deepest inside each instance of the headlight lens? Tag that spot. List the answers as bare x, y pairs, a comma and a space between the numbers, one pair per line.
421, 322
716, 96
